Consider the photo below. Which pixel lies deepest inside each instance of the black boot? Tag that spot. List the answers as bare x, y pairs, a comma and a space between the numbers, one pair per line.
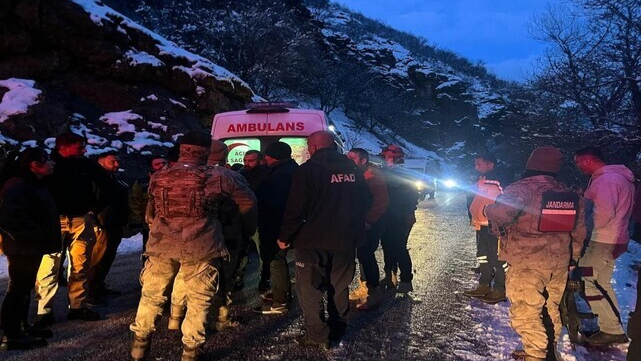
21, 341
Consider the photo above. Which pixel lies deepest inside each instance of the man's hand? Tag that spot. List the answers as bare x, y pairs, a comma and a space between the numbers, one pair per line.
282, 245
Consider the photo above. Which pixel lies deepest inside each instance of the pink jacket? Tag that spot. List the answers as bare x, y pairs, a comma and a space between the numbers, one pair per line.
610, 195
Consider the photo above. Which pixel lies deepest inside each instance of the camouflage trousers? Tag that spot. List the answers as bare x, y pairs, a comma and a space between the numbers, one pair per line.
525, 288
200, 283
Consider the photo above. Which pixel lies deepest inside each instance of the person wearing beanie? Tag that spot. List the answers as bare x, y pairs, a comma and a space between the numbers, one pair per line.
272, 197
541, 228
217, 153
185, 239
611, 194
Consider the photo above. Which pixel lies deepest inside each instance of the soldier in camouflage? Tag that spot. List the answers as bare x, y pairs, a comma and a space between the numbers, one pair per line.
538, 260
185, 235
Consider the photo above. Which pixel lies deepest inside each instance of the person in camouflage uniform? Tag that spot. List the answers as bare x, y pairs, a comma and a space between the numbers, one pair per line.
185, 235
538, 261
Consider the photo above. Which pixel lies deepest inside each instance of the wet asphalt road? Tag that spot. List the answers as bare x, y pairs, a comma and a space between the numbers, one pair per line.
442, 248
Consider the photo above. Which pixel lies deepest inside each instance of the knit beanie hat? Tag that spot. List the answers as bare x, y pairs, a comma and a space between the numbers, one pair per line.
197, 138
218, 152
545, 159
279, 151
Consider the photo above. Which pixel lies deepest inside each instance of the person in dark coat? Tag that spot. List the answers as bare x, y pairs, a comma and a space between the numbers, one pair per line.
112, 219
325, 222
272, 198
30, 228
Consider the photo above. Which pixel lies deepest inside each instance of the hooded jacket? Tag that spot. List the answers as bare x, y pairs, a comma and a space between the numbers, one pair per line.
610, 195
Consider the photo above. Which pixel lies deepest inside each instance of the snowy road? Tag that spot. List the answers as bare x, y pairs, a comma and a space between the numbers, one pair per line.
445, 326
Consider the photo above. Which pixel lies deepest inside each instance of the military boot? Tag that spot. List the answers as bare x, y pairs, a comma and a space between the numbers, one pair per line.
495, 296
480, 291
140, 348
191, 353
360, 292
176, 316
224, 321
390, 281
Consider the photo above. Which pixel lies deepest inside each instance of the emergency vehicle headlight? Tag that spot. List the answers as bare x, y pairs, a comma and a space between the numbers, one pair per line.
419, 184
450, 183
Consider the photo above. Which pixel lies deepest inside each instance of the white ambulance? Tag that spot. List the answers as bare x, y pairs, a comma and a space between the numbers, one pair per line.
265, 123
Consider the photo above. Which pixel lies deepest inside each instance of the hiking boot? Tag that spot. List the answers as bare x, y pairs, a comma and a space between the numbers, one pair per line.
38, 332
606, 339
83, 314
493, 297
264, 285
304, 341
44, 320
272, 309
390, 281
373, 300
360, 292
21, 341
479, 291
176, 316
140, 348
191, 353
404, 287
96, 300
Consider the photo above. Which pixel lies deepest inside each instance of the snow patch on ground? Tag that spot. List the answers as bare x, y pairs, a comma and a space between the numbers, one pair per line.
19, 98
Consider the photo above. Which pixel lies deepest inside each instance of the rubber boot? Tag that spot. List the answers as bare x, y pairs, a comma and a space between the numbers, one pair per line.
360, 292
140, 348
176, 316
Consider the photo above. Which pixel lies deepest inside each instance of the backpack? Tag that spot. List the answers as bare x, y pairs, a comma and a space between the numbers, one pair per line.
180, 192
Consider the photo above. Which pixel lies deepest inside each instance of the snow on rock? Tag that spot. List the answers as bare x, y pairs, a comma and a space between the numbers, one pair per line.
199, 66
141, 57
19, 98
121, 120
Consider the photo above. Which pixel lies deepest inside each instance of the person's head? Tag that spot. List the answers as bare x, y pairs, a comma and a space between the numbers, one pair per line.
157, 163
34, 161
277, 151
320, 140
71, 145
195, 144
359, 156
109, 161
217, 153
484, 163
589, 159
393, 155
544, 161
252, 159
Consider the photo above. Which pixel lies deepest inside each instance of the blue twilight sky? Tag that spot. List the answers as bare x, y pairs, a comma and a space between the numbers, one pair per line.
494, 31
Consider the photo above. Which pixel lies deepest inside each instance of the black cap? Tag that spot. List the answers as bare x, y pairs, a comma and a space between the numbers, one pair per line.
196, 137
279, 151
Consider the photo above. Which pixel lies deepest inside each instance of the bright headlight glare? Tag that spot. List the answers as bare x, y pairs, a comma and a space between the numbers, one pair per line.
449, 183
419, 184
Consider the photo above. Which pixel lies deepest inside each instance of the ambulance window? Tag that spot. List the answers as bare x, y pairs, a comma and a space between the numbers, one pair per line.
238, 147
299, 148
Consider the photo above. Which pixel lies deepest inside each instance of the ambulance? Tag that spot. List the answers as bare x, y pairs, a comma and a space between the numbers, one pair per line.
265, 123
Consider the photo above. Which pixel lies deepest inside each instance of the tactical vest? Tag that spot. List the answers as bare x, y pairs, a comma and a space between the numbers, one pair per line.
180, 192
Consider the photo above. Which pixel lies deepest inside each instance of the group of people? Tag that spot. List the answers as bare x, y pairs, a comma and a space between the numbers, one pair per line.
199, 219
533, 232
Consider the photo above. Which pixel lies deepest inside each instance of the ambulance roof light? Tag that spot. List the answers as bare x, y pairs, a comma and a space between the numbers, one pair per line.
269, 107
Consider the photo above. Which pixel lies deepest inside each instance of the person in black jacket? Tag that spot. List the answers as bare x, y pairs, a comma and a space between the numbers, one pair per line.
112, 219
272, 197
73, 184
29, 228
325, 221
398, 221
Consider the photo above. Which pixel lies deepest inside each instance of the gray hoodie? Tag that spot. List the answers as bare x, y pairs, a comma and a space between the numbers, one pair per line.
610, 195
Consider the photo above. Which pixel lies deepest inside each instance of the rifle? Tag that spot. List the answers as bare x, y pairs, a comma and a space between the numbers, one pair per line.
570, 315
